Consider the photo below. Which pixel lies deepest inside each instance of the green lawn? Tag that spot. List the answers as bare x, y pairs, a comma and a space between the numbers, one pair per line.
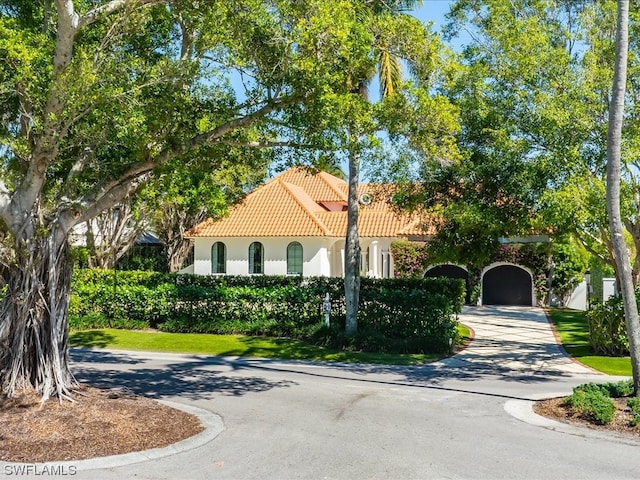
573, 330
236, 345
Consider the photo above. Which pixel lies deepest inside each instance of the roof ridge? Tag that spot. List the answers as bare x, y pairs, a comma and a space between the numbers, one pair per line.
312, 215
339, 192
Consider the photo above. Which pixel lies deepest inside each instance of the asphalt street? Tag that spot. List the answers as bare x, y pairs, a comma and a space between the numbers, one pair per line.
449, 420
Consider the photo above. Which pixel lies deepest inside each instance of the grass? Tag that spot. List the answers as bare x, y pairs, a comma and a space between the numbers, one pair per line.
573, 329
237, 345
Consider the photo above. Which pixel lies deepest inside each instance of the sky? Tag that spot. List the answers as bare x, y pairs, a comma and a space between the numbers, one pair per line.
433, 10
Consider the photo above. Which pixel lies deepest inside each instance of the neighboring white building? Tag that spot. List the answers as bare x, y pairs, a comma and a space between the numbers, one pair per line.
296, 224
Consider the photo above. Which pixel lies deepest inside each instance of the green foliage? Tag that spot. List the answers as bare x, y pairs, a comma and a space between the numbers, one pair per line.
607, 328
623, 388
143, 257
593, 404
126, 299
593, 400
410, 259
398, 315
573, 328
571, 262
535, 122
412, 319
235, 345
634, 405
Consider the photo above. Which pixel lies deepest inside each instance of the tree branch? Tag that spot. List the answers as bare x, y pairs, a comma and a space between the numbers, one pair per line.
266, 144
217, 133
105, 195
5, 202
114, 5
46, 145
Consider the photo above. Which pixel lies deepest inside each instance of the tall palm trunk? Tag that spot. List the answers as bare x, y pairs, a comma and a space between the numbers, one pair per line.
352, 247
614, 143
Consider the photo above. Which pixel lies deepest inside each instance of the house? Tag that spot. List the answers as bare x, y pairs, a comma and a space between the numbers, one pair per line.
296, 223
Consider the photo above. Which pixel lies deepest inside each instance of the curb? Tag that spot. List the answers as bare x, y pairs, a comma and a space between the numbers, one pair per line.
523, 411
213, 427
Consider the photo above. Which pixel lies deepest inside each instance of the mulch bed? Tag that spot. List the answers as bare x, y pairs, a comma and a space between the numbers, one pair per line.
556, 410
99, 423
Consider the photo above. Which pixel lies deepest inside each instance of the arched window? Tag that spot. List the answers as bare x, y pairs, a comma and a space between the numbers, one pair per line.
294, 259
218, 258
256, 258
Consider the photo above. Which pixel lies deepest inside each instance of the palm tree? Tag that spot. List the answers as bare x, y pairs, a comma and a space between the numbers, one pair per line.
614, 143
390, 74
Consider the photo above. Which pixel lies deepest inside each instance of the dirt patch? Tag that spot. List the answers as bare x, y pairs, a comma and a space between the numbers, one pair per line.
99, 423
555, 409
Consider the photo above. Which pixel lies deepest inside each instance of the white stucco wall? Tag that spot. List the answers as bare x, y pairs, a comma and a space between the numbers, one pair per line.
321, 256
314, 253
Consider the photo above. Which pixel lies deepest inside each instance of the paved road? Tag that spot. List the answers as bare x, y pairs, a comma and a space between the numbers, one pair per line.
444, 420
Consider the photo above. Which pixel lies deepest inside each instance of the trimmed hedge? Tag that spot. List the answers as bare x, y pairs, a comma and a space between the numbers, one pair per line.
416, 315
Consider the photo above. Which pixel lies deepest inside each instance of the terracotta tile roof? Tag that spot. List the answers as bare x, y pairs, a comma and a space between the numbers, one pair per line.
319, 186
276, 209
289, 206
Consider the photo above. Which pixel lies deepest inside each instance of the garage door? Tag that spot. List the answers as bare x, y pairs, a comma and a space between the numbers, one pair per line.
507, 285
450, 271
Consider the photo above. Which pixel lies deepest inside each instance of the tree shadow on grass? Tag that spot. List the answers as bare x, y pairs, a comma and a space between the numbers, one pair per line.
101, 356
91, 338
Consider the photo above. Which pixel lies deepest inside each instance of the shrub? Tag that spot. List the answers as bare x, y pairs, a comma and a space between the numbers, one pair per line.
634, 405
607, 328
623, 388
571, 261
592, 403
410, 259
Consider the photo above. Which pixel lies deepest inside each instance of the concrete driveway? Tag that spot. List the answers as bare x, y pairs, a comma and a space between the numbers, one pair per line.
444, 420
514, 340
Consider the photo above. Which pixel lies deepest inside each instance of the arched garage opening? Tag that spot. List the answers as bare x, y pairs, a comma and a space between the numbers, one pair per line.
507, 284
450, 271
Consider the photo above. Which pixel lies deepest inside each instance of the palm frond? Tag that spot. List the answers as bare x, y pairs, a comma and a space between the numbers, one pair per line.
390, 73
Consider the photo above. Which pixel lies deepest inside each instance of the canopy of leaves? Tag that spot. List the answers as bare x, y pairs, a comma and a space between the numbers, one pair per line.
534, 117
103, 96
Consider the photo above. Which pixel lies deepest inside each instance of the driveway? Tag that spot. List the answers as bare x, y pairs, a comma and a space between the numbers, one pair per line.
512, 341
306, 420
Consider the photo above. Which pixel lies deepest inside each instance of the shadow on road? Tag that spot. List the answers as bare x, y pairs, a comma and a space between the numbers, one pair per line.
194, 379
202, 377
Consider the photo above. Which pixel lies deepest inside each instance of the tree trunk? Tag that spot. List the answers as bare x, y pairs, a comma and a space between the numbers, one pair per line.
614, 143
352, 248
176, 254
34, 335
172, 226
117, 230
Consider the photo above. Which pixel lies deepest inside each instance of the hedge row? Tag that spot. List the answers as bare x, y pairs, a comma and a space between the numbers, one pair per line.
412, 314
